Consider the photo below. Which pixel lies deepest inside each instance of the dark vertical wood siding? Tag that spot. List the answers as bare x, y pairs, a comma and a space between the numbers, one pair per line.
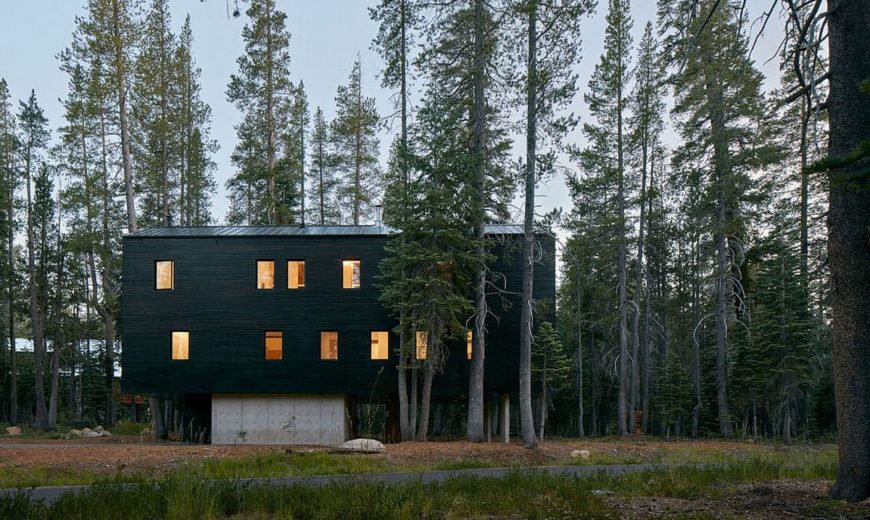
216, 300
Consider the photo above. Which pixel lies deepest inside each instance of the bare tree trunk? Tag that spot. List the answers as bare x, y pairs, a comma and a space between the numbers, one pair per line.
404, 423
10, 295
696, 345
475, 379
412, 413
581, 432
848, 244
36, 312
638, 354
624, 425
527, 316
123, 116
428, 375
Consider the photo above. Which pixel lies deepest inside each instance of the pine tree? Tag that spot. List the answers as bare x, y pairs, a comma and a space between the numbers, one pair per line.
196, 147
34, 139
645, 126
324, 183
606, 156
8, 184
155, 108
719, 104
549, 85
428, 267
296, 151
262, 91
462, 55
551, 367
355, 145
398, 20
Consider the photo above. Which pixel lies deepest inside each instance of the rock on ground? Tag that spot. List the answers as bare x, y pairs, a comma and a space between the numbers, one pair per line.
13, 431
363, 446
582, 454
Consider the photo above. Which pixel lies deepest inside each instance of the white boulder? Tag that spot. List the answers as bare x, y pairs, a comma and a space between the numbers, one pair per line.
363, 446
580, 454
13, 431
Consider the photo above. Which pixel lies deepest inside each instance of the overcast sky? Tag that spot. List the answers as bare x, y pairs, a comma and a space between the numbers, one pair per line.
327, 35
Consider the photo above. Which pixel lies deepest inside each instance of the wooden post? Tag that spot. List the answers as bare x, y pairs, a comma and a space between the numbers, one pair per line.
505, 416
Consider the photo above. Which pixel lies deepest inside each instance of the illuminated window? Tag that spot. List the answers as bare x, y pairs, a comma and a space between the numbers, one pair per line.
380, 344
274, 344
265, 274
329, 345
164, 275
295, 274
468, 343
180, 345
350, 274
422, 343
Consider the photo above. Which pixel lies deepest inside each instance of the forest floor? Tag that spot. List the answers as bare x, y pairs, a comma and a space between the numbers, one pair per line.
739, 480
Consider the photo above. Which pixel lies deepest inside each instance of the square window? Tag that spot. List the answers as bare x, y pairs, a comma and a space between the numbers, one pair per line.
468, 343
350, 270
274, 344
164, 275
265, 274
329, 345
295, 274
422, 344
380, 344
180, 345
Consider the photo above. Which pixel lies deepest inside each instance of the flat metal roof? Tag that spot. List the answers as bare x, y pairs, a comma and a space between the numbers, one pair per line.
282, 231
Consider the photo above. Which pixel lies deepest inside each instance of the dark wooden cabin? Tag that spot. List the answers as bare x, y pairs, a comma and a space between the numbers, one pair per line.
272, 334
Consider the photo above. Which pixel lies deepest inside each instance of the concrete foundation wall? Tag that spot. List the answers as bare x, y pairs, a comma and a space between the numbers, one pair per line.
279, 419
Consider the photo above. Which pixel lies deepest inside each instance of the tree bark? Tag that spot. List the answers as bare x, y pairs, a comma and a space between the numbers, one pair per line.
37, 319
849, 244
527, 315
10, 295
581, 432
624, 425
722, 168
425, 400
475, 378
123, 116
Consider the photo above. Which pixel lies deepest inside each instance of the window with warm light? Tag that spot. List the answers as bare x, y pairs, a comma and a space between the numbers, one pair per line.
274, 344
350, 274
380, 344
180, 345
295, 274
265, 274
329, 345
422, 344
164, 275
468, 343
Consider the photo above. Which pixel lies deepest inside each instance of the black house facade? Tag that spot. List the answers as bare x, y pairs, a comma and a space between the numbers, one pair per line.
274, 334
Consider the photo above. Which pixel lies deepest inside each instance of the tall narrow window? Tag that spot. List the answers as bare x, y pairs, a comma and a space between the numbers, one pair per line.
164, 275
380, 344
422, 344
274, 344
468, 343
295, 274
329, 345
180, 345
350, 274
265, 274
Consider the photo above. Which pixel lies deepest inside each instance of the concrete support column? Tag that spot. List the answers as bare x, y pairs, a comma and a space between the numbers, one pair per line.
487, 420
505, 415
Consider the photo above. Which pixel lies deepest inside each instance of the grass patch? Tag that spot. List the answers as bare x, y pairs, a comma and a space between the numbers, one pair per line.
519, 494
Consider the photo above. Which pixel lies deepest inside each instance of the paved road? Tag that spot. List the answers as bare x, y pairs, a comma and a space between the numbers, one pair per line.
52, 493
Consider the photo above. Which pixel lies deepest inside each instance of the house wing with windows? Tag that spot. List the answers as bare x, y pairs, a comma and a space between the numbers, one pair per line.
273, 334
